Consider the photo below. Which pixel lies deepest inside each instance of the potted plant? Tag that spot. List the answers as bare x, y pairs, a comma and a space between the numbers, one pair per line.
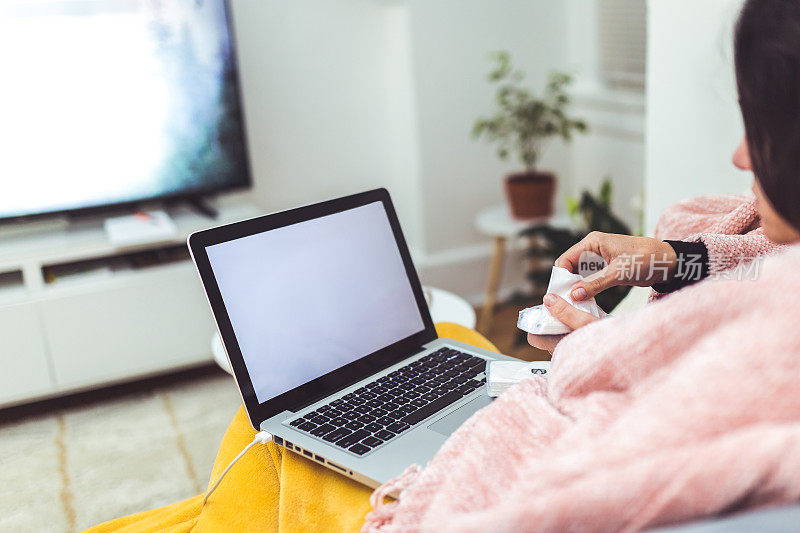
522, 125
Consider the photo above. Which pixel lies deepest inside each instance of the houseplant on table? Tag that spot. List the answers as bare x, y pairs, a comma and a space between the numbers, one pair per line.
522, 125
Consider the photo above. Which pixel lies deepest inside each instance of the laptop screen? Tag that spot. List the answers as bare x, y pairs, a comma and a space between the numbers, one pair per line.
308, 298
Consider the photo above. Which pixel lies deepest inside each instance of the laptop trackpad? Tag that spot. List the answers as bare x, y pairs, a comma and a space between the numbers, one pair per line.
451, 422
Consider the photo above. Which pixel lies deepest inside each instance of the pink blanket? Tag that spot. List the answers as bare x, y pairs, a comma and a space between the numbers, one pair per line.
688, 408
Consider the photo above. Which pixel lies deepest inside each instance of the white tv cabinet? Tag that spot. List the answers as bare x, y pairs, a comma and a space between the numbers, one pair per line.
77, 312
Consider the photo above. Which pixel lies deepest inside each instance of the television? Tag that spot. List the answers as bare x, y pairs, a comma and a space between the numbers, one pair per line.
117, 102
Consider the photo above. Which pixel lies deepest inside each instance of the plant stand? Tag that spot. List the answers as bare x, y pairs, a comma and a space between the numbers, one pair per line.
496, 222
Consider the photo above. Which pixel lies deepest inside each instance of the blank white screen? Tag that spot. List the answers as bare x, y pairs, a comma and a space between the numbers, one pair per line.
309, 298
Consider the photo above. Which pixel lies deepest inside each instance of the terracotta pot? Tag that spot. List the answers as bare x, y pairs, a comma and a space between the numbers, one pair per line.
530, 194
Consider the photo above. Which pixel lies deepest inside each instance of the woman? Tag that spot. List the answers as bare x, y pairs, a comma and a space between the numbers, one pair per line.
669, 265
767, 60
684, 409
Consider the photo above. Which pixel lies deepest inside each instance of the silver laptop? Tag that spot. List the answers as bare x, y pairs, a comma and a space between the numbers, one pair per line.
327, 330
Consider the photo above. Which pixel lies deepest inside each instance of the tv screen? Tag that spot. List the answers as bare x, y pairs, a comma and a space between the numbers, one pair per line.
107, 102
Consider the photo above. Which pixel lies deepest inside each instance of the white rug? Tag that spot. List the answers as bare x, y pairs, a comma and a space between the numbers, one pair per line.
82, 466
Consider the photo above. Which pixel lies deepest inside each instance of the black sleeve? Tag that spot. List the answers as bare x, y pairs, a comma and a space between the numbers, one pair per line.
692, 266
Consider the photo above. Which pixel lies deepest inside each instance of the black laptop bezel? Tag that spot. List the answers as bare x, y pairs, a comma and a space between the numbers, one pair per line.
340, 378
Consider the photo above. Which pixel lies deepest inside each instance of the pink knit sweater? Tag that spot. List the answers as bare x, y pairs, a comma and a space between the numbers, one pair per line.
727, 224
689, 407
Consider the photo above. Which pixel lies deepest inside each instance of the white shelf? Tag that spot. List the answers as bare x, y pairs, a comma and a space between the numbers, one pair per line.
122, 318
12, 287
87, 238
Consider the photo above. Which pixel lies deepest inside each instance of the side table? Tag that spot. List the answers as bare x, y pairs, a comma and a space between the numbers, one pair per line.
496, 222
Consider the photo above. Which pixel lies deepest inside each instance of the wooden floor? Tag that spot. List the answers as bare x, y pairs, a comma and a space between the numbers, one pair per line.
508, 339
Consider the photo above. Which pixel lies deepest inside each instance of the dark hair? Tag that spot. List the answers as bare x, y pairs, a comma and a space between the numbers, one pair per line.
767, 59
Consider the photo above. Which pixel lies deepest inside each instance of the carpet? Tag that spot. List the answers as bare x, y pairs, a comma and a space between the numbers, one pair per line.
74, 468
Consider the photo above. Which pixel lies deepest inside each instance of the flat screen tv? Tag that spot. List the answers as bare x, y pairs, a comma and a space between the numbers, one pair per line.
114, 102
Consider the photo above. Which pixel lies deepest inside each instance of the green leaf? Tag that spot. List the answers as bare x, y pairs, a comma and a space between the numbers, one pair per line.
573, 207
523, 120
606, 191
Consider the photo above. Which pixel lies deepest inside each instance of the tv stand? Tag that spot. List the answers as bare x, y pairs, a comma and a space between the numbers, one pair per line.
203, 206
78, 312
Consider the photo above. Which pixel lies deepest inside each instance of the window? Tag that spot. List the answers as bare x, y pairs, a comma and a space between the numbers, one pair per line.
623, 43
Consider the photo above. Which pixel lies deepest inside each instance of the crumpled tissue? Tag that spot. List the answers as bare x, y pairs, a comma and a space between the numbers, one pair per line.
538, 320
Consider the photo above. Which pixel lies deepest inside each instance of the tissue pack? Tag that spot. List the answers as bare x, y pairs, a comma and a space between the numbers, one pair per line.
502, 375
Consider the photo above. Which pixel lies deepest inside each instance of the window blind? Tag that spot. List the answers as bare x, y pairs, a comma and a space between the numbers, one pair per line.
623, 46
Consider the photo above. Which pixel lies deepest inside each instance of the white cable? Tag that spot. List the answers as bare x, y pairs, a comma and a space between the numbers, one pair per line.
262, 437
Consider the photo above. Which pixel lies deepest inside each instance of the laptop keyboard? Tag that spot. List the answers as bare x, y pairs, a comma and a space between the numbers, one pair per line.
378, 412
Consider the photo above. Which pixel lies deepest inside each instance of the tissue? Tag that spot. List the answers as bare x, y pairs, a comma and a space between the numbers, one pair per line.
538, 320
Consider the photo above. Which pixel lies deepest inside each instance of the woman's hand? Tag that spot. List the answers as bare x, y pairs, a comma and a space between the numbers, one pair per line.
638, 261
565, 313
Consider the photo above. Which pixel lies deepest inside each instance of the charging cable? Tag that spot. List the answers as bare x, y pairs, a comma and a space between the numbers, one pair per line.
261, 437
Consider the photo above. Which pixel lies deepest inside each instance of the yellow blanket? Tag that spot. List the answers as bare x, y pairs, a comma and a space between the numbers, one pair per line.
270, 489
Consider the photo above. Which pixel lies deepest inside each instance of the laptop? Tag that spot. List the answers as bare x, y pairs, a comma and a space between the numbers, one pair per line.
328, 333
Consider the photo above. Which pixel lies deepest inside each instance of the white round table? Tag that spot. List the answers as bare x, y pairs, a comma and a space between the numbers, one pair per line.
496, 222
444, 306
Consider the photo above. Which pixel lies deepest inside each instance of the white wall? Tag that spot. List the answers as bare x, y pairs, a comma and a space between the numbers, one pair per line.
693, 121
353, 94
459, 176
451, 40
347, 95
614, 145
328, 100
